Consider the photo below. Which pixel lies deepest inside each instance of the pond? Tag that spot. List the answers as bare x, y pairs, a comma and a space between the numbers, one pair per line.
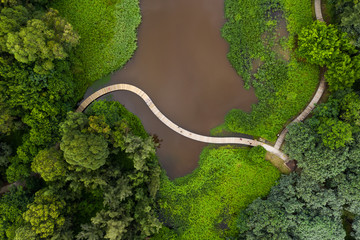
181, 64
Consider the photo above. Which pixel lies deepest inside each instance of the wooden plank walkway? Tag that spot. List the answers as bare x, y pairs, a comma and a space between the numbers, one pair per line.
173, 126
318, 94
216, 140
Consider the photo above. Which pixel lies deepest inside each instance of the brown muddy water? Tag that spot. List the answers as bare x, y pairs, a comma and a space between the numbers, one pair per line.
181, 64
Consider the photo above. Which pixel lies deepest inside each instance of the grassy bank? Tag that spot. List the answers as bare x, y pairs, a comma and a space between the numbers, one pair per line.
108, 34
263, 55
204, 204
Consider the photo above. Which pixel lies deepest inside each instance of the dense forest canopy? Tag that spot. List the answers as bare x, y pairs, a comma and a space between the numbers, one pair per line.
86, 176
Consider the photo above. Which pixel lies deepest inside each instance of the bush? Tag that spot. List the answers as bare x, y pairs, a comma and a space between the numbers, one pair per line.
327, 46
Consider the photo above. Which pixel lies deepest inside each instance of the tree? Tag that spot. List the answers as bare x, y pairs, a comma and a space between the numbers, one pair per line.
129, 179
316, 160
45, 214
296, 208
25, 232
343, 71
350, 108
11, 20
350, 22
81, 148
85, 150
325, 45
50, 164
319, 227
17, 170
117, 114
356, 228
5, 153
42, 41
12, 205
320, 43
6, 120
335, 133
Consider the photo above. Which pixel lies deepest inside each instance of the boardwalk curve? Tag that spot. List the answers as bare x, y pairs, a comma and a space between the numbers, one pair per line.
173, 126
216, 140
319, 92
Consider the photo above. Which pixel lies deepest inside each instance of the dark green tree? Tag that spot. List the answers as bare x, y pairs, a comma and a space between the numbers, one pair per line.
350, 21
12, 205
297, 208
80, 147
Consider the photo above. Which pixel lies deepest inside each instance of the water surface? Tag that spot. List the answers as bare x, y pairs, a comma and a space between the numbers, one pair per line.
181, 64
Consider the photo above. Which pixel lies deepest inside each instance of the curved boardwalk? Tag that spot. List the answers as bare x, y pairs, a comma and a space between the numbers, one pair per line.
173, 126
319, 91
216, 140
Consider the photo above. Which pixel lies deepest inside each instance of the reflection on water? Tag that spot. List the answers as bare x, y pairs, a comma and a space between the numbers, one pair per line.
181, 64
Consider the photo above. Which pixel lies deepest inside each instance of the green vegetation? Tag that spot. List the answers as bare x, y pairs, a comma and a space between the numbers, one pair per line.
322, 201
49, 164
112, 197
12, 205
44, 214
203, 205
346, 14
97, 173
313, 204
37, 85
108, 34
253, 31
333, 50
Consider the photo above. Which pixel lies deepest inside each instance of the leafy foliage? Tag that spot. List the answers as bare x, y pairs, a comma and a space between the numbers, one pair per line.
52, 34
325, 146
85, 150
356, 227
45, 214
203, 205
335, 133
24, 232
279, 82
108, 34
292, 210
320, 44
347, 17
49, 164
125, 183
326, 45
12, 205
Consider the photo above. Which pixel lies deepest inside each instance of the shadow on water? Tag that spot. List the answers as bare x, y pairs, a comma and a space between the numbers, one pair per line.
181, 64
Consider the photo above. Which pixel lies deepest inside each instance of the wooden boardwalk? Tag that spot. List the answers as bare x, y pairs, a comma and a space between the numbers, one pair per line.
216, 140
173, 126
318, 94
